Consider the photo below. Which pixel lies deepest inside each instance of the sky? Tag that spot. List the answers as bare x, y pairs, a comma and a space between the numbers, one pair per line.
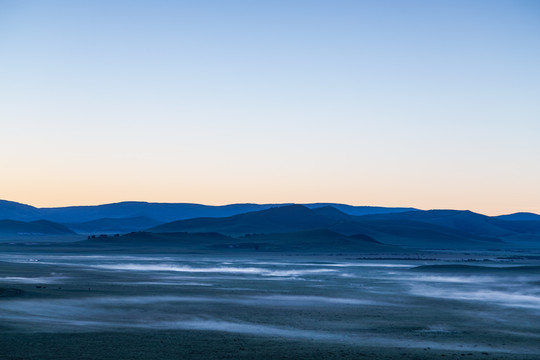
429, 104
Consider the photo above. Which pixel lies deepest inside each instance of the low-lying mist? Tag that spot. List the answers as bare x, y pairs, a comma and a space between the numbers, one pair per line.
356, 302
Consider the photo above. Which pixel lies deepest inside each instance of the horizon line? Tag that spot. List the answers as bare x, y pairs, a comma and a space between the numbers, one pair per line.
256, 203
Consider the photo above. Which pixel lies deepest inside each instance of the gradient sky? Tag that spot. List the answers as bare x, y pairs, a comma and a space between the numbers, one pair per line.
431, 104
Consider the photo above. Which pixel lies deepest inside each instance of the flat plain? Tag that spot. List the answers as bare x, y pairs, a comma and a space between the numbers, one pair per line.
245, 306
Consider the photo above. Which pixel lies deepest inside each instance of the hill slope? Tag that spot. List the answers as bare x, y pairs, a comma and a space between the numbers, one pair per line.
321, 240
10, 210
313, 241
428, 231
110, 225
464, 221
40, 227
520, 216
274, 220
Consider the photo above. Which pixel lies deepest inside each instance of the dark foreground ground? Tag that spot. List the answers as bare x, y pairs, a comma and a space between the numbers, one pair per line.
209, 345
81, 306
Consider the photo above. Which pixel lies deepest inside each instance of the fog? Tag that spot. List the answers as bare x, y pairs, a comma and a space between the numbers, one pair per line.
222, 269
486, 297
356, 302
32, 280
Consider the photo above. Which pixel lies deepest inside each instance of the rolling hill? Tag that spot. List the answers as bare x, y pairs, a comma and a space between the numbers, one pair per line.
161, 212
34, 228
282, 219
321, 240
466, 222
415, 234
325, 223
435, 229
312, 241
10, 210
112, 225
179, 240
520, 216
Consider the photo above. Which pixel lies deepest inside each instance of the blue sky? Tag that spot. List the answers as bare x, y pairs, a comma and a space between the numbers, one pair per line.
432, 104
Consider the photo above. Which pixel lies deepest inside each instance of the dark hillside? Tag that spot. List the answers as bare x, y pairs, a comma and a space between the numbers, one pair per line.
275, 220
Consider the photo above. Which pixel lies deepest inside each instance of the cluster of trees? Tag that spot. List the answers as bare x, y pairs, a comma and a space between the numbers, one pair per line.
101, 236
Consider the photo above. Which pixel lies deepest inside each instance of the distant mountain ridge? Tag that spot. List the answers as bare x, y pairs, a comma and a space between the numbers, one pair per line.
293, 227
267, 223
422, 229
519, 216
160, 212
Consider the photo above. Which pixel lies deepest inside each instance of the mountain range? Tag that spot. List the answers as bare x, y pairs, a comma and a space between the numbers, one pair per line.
422, 229
273, 227
158, 212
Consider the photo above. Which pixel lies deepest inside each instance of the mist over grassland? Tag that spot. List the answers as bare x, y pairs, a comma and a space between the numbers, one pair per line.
268, 305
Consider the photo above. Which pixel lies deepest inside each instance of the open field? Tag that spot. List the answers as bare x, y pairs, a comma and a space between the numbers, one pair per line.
88, 306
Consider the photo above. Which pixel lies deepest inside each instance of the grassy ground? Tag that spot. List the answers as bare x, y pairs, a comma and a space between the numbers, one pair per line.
207, 345
66, 307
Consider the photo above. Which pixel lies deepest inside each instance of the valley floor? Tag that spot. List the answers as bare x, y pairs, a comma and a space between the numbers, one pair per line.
99, 306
